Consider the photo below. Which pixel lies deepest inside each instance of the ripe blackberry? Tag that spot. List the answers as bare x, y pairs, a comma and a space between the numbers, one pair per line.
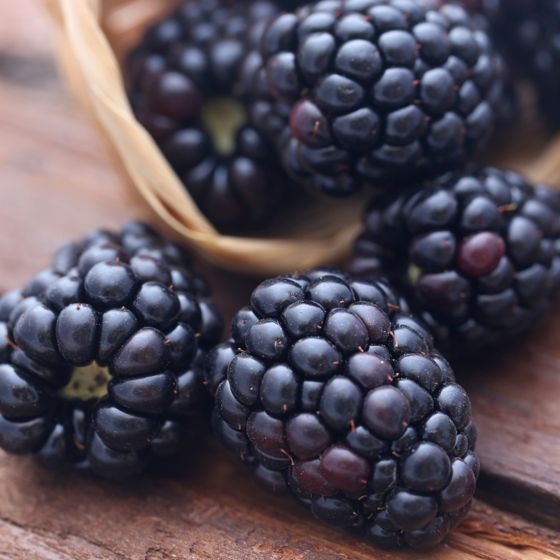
534, 36
477, 253
100, 354
378, 90
331, 389
528, 32
181, 88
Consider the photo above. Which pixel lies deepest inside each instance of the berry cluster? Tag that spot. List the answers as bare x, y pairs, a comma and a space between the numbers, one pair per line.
331, 389
476, 252
329, 386
101, 353
374, 91
181, 84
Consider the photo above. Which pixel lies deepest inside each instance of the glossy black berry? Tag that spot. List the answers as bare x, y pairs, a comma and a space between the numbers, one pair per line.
475, 252
528, 33
100, 363
183, 80
318, 398
373, 93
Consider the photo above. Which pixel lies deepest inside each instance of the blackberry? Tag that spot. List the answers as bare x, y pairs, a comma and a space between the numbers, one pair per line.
377, 91
100, 354
528, 32
532, 30
330, 389
477, 253
181, 88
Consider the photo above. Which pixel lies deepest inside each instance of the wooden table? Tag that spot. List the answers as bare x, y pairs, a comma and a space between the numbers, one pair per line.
57, 180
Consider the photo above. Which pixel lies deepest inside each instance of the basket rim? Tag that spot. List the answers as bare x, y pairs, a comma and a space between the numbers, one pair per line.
90, 65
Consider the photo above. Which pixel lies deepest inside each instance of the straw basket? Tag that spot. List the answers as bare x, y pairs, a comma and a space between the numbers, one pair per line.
94, 35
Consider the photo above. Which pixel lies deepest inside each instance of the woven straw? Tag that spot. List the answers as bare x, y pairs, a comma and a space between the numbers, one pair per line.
94, 35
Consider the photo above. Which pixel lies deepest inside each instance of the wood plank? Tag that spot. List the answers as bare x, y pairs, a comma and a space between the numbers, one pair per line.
515, 400
206, 506
56, 180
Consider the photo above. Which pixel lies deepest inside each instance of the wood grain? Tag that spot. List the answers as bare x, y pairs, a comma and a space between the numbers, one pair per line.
57, 180
515, 401
205, 506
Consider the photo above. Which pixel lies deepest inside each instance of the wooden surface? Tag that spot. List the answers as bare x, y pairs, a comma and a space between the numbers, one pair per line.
56, 180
